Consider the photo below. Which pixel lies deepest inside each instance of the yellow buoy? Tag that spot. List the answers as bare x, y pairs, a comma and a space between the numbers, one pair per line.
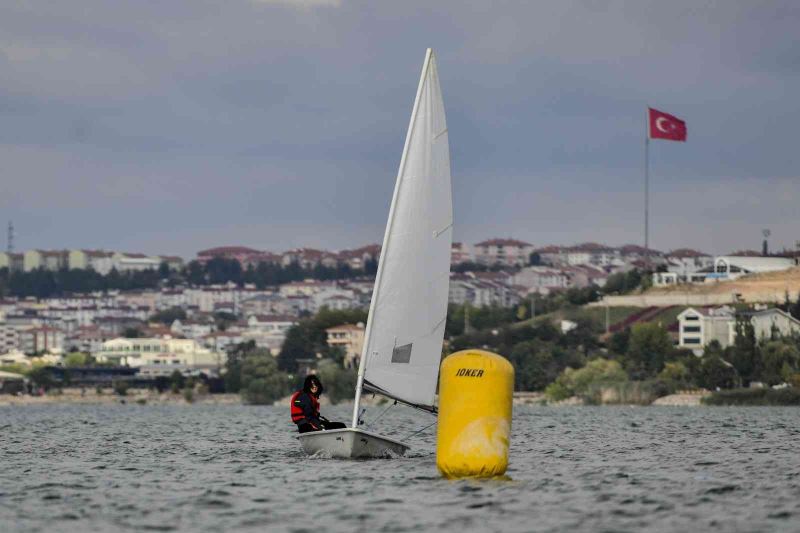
476, 388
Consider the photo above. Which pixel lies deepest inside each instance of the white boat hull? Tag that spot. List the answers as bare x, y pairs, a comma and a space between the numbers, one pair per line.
350, 443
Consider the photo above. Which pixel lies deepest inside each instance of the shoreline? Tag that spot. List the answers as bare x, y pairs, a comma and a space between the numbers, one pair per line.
71, 396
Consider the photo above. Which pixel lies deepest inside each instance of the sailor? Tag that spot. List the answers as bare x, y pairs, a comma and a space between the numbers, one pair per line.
305, 408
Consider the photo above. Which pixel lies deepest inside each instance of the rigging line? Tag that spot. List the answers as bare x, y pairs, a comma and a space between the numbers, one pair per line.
421, 430
447, 227
369, 424
439, 134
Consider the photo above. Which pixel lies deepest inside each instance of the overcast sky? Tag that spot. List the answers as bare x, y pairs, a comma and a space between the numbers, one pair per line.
168, 127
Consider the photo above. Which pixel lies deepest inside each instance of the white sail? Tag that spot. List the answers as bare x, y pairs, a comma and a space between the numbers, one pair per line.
403, 347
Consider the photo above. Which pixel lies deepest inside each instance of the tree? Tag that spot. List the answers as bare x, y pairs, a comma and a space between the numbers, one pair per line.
584, 381
534, 365
795, 309
744, 354
131, 333
296, 346
780, 361
339, 383
262, 381
76, 359
233, 365
714, 372
168, 316
649, 347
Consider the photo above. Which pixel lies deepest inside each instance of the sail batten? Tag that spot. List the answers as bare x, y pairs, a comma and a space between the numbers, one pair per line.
407, 315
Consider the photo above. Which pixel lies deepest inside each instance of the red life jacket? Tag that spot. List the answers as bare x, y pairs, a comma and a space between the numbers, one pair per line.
297, 411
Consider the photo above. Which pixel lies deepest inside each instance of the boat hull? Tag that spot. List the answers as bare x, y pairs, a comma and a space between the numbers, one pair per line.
350, 443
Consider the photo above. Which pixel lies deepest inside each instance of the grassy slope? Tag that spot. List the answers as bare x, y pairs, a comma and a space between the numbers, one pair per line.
597, 316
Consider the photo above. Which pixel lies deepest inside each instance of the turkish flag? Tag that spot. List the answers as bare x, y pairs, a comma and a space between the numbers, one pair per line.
665, 126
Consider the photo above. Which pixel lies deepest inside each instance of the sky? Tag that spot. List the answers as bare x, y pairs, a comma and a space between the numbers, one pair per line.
170, 127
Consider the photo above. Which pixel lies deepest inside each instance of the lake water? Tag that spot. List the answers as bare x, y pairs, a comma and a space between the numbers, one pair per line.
239, 468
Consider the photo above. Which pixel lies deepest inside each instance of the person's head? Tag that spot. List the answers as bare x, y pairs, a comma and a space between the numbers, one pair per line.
313, 385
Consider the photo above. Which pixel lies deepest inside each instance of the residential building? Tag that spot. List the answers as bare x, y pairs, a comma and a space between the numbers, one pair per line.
699, 326
9, 338
242, 254
13, 262
45, 259
14, 357
192, 329
510, 252
686, 261
162, 356
478, 292
134, 262
460, 253
41, 339
222, 341
350, 339
100, 261
268, 331
357, 259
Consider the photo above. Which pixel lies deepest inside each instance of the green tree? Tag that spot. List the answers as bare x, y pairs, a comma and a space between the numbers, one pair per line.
780, 362
76, 359
262, 381
339, 382
168, 316
534, 365
795, 308
715, 372
583, 381
649, 347
744, 354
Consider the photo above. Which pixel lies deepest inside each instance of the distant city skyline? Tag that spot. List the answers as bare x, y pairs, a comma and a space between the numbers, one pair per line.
277, 124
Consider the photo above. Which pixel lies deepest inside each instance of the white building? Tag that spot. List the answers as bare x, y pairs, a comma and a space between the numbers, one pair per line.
9, 338
13, 262
698, 327
509, 252
100, 261
732, 267
162, 356
127, 262
45, 259
684, 262
42, 339
192, 329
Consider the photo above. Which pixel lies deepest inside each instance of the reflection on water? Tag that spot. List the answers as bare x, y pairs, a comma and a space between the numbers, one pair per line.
215, 468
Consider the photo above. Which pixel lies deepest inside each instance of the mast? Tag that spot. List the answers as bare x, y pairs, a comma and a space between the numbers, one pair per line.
362, 364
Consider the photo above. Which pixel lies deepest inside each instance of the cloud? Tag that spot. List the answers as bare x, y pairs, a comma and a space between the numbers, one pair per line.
305, 4
228, 121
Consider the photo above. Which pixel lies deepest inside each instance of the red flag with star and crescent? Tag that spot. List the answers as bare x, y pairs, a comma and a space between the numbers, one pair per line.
665, 126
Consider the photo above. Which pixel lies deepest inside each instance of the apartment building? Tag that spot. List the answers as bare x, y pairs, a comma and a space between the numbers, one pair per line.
350, 338
509, 252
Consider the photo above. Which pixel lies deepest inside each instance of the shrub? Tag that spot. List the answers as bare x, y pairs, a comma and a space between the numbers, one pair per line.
188, 395
586, 381
121, 387
785, 396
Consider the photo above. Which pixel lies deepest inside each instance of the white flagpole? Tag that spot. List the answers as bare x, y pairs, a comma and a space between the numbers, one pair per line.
647, 186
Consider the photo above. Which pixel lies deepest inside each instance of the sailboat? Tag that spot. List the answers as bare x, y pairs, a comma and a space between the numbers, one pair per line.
405, 328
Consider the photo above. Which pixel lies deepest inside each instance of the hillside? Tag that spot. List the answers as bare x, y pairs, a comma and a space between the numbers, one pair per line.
768, 287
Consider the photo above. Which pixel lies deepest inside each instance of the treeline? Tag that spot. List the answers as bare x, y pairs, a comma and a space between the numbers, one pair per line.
43, 283
644, 358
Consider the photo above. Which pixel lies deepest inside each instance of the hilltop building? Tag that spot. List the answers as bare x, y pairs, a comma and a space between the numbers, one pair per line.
508, 252
698, 327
